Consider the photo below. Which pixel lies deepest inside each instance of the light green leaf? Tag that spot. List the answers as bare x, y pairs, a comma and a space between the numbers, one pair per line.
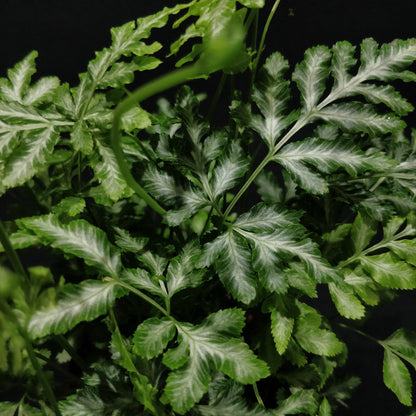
325, 408
387, 270
404, 342
78, 238
135, 118
210, 346
311, 337
363, 285
71, 206
21, 239
357, 117
108, 173
404, 249
76, 303
311, 75
281, 328
342, 61
362, 231
162, 185
397, 378
300, 401
152, 336
8, 408
345, 301
81, 137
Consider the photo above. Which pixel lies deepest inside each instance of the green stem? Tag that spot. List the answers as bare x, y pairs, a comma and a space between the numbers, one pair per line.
217, 95
257, 394
63, 342
144, 297
11, 253
146, 91
252, 177
261, 45
359, 332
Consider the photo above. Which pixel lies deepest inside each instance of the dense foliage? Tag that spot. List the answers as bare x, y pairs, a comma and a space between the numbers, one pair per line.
182, 261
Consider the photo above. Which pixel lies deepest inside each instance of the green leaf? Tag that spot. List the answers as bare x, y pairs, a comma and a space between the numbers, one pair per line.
345, 301
387, 270
404, 249
282, 328
362, 232
311, 337
152, 336
363, 285
300, 401
108, 173
76, 303
311, 74
325, 408
210, 346
403, 341
78, 238
397, 378
71, 206
81, 137
21, 239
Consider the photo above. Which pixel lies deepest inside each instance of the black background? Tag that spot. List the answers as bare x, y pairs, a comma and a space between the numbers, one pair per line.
66, 34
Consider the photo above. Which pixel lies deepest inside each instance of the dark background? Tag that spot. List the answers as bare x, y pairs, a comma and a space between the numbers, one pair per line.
66, 34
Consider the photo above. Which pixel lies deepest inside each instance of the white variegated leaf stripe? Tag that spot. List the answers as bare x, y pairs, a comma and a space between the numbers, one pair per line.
152, 336
207, 348
17, 88
162, 185
290, 242
387, 62
29, 156
232, 258
342, 61
327, 156
229, 170
311, 75
182, 273
78, 238
108, 173
266, 218
76, 303
129, 243
281, 329
357, 117
141, 279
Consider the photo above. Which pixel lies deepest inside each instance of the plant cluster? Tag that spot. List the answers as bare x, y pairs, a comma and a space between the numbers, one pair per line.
167, 287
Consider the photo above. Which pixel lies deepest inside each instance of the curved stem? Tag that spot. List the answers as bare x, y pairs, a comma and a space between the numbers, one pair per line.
154, 87
11, 253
